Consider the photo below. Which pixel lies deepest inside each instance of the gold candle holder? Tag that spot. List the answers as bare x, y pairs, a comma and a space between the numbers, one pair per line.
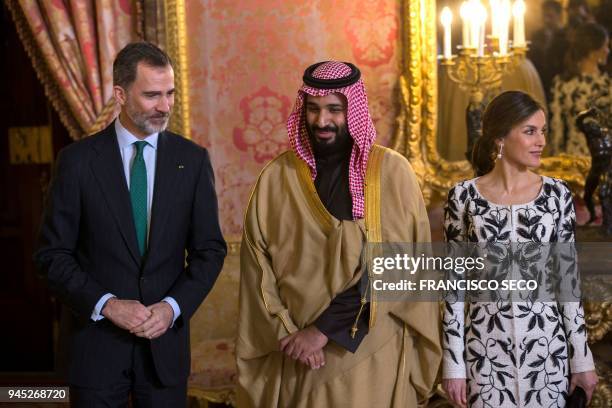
478, 75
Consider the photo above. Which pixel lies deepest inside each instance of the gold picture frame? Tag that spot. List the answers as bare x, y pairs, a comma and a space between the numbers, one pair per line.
416, 135
175, 30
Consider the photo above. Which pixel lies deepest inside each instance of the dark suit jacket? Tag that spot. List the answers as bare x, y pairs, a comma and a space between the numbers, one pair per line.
88, 247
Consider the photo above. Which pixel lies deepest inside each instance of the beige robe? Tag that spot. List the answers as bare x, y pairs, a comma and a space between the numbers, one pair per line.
296, 257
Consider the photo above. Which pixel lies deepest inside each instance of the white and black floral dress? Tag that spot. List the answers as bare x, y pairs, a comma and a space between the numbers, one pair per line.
513, 354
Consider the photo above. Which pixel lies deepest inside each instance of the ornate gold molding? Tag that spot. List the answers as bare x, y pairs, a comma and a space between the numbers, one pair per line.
176, 46
598, 314
416, 136
225, 396
602, 396
407, 140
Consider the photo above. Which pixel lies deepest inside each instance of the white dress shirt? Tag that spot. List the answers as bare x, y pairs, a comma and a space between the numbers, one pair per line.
127, 149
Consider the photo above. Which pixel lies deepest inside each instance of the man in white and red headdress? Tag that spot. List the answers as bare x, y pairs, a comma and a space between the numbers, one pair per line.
308, 335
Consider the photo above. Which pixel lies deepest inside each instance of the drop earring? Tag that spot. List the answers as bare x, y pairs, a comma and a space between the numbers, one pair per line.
501, 150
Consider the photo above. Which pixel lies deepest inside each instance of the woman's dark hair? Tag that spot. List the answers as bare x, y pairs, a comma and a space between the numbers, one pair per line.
506, 111
588, 37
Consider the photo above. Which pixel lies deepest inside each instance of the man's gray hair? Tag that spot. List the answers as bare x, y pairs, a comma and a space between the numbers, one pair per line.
126, 62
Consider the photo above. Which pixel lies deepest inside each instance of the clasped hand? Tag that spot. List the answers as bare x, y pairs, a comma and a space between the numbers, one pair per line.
306, 345
147, 322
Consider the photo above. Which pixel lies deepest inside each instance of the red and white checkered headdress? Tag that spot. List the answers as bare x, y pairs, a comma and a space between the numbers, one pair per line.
337, 77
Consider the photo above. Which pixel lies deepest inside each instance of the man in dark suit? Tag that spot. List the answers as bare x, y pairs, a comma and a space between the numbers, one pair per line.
124, 207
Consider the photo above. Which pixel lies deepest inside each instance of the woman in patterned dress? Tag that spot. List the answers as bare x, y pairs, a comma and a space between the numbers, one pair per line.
583, 86
525, 357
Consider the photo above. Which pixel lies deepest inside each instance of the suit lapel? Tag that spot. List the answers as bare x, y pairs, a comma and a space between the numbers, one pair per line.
163, 193
108, 170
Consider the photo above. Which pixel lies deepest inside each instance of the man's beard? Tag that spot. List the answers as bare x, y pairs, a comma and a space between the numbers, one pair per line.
341, 141
142, 120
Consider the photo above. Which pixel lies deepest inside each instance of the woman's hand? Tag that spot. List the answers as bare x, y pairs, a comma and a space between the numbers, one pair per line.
586, 380
456, 390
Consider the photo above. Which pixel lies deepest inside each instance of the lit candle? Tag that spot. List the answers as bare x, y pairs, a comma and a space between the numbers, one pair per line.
446, 18
504, 26
482, 18
464, 12
474, 11
518, 11
495, 17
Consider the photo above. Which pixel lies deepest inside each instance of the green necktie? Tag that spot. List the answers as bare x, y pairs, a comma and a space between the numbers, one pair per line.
138, 195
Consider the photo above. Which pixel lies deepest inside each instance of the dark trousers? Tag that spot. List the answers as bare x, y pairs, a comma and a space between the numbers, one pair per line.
138, 380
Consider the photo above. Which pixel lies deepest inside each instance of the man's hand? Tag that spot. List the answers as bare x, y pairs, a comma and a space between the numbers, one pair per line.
161, 318
126, 314
586, 380
316, 360
303, 343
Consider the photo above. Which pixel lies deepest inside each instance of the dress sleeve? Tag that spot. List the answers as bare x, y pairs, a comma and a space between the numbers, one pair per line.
453, 320
572, 313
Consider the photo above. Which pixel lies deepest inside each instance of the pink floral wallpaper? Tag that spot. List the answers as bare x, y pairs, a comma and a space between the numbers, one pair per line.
246, 60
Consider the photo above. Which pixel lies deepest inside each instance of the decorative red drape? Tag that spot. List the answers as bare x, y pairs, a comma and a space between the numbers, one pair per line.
72, 44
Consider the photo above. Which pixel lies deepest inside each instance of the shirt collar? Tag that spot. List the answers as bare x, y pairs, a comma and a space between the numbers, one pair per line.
125, 138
